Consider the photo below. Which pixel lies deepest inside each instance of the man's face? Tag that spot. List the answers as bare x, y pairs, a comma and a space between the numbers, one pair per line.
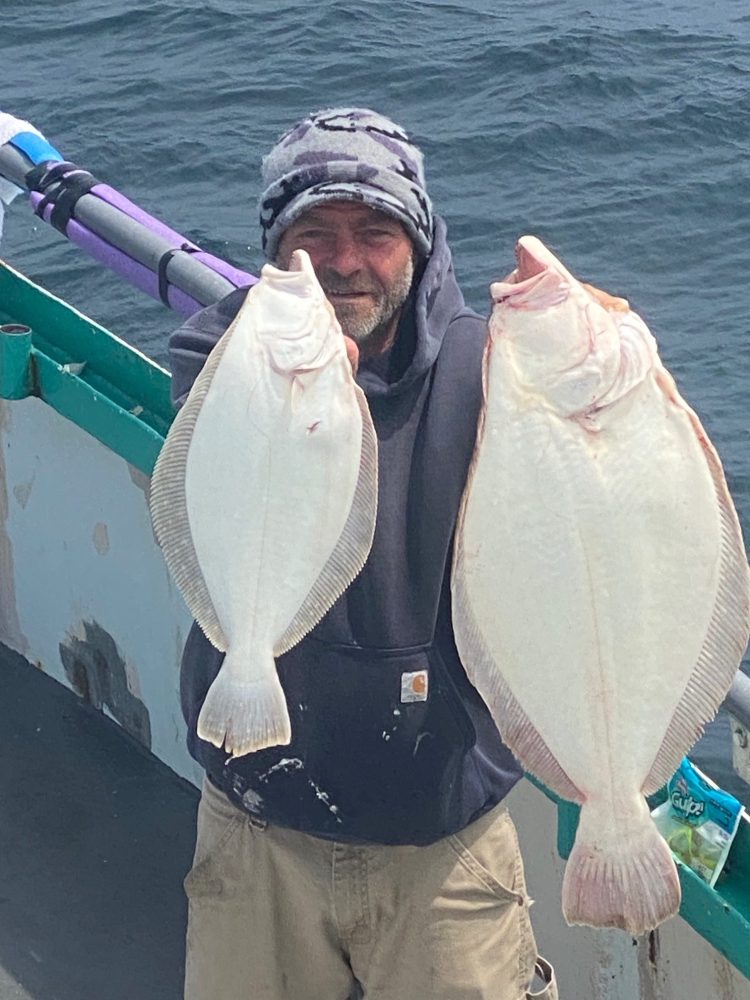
364, 261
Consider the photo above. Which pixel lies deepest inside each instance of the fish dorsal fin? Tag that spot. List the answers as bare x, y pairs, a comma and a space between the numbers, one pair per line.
727, 633
353, 546
168, 503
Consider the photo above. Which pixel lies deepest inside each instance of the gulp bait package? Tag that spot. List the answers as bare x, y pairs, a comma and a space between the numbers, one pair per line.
698, 821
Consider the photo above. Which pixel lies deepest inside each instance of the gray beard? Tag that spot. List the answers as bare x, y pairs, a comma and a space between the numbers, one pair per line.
372, 325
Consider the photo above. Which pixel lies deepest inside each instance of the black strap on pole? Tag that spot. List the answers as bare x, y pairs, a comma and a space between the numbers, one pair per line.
162, 269
42, 176
62, 185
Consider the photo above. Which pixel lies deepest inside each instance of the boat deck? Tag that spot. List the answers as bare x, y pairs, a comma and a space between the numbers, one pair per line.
96, 835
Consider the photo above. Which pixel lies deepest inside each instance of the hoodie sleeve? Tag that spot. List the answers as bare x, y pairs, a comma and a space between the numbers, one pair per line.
190, 344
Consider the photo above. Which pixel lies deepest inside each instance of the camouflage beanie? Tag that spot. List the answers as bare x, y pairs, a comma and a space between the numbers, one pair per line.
345, 153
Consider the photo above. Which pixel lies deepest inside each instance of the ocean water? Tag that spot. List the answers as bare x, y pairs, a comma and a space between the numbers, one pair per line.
619, 134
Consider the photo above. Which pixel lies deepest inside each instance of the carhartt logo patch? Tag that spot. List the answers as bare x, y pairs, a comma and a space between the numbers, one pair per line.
414, 686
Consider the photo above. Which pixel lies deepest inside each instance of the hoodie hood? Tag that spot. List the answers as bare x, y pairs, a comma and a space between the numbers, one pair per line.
434, 302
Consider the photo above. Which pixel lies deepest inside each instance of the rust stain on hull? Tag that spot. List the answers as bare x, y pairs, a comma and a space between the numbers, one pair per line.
98, 673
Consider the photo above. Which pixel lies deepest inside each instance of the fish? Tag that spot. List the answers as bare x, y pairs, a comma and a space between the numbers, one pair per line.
264, 496
600, 585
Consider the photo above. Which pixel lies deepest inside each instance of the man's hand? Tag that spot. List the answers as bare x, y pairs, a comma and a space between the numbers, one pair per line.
611, 302
352, 352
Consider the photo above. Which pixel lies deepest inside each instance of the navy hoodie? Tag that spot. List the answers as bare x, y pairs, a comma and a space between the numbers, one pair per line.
391, 744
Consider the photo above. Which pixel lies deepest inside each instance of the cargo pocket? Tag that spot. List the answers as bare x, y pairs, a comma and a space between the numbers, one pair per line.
488, 850
218, 823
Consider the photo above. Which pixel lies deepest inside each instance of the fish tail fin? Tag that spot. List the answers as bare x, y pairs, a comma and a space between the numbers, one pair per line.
243, 713
631, 883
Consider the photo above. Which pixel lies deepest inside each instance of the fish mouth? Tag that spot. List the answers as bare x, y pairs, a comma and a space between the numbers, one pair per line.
538, 281
297, 300
298, 279
530, 261
299, 261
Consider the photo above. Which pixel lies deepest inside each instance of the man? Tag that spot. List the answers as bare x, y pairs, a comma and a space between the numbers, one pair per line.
375, 847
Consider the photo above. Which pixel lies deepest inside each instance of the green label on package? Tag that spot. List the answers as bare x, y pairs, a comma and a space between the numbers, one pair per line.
698, 821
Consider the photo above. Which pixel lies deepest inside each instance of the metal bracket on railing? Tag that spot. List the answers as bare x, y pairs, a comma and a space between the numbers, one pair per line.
737, 704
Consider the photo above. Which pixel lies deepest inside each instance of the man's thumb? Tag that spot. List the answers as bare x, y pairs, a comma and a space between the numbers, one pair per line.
352, 352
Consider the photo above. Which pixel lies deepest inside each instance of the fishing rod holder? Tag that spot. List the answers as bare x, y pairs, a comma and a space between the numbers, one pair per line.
15, 361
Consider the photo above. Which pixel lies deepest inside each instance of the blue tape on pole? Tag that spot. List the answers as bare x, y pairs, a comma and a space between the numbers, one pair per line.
35, 147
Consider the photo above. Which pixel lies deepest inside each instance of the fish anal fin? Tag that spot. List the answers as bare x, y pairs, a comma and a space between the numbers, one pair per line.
528, 745
168, 503
516, 729
631, 884
725, 641
353, 547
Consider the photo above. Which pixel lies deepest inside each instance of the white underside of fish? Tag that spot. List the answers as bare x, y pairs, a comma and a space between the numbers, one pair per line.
264, 501
601, 610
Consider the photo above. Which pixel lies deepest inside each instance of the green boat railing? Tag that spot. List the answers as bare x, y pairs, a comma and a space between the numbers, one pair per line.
91, 377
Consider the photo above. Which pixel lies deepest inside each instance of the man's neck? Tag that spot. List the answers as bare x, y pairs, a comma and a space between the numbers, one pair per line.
381, 339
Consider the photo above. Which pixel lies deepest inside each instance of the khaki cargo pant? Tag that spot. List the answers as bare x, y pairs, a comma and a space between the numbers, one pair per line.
280, 915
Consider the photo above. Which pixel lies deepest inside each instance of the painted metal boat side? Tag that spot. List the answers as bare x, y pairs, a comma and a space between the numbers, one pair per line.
85, 594
87, 598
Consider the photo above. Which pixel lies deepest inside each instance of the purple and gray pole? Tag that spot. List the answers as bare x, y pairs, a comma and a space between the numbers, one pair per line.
112, 229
